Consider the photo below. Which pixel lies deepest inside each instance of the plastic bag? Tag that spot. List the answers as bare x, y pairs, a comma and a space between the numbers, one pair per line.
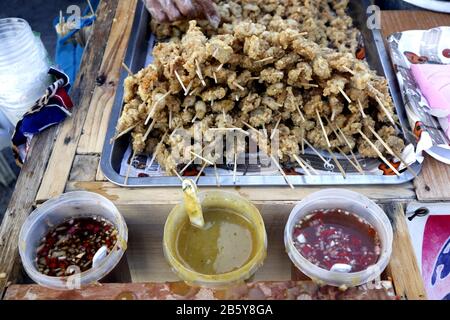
172, 10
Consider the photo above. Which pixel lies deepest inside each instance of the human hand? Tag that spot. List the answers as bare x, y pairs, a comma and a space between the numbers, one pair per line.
173, 10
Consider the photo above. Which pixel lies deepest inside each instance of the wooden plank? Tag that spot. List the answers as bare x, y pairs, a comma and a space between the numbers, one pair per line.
97, 120
21, 204
402, 20
432, 183
63, 154
41, 150
403, 267
263, 194
84, 168
145, 255
289, 290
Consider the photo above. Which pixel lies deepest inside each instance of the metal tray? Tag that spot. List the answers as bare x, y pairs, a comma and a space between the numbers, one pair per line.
136, 58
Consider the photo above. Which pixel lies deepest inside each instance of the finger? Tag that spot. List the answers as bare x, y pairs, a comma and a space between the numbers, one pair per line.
186, 8
170, 10
210, 12
156, 10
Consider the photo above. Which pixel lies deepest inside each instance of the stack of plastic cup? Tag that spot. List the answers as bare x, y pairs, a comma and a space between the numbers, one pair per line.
24, 65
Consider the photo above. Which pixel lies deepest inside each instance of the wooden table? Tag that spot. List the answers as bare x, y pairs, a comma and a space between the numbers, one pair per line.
66, 158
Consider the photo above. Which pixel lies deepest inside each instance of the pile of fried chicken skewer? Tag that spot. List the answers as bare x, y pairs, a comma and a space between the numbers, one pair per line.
254, 77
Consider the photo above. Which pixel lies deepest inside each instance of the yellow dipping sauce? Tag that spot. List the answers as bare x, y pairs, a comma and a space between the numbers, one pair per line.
224, 244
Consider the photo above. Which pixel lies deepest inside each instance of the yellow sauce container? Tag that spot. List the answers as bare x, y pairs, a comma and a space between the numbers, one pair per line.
215, 200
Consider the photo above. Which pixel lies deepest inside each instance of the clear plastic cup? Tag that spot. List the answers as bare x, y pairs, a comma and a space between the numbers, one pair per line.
350, 201
60, 209
215, 199
24, 66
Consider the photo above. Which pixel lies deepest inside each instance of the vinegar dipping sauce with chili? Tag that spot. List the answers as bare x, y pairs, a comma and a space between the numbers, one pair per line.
335, 236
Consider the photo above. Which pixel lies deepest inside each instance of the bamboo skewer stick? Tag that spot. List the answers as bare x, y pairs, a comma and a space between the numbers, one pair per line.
309, 84
265, 130
217, 175
303, 141
239, 86
379, 153
323, 129
348, 70
178, 175
350, 161
124, 132
150, 128
215, 77
350, 147
388, 114
300, 112
194, 118
275, 129
235, 168
200, 157
170, 119
344, 139
129, 168
174, 130
153, 109
179, 80
309, 166
300, 163
282, 172
338, 164
224, 115
190, 162
345, 95
333, 114
219, 68
200, 172
91, 7
215, 52
199, 73
127, 69
188, 87
315, 151
392, 152
254, 129
156, 149
264, 60
361, 109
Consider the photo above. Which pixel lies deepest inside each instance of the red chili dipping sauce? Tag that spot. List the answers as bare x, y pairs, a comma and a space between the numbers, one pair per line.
335, 236
74, 243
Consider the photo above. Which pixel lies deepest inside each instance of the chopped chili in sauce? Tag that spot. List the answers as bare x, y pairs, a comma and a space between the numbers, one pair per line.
74, 243
335, 236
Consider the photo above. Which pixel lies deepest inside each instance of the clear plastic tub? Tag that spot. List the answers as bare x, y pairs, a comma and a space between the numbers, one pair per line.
60, 209
24, 65
353, 202
215, 199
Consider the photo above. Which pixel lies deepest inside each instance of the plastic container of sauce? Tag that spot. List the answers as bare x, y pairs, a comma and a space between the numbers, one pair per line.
226, 251
339, 237
70, 214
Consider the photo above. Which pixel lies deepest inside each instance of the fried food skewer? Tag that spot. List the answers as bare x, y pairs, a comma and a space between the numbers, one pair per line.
379, 153
392, 152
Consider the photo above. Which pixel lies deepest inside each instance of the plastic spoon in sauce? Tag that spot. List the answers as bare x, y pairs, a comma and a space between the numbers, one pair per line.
192, 204
341, 267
